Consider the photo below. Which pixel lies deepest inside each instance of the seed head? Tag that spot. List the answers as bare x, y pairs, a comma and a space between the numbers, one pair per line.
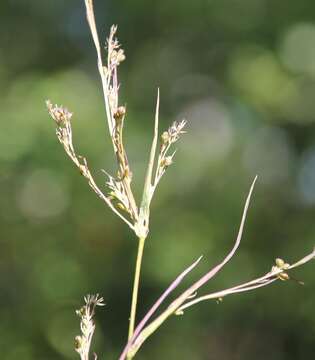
167, 161
120, 113
60, 114
117, 57
120, 56
165, 137
283, 276
78, 342
281, 264
176, 130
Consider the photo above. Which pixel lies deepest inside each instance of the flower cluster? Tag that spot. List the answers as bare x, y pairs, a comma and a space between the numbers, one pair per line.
62, 117
282, 266
173, 133
168, 138
59, 113
82, 343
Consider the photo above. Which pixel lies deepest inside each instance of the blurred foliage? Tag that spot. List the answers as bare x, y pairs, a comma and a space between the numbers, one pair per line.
243, 73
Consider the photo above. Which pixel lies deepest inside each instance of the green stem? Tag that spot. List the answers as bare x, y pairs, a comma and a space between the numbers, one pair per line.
135, 289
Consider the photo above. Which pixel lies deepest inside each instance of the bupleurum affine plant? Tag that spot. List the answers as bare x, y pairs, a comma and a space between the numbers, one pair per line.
119, 197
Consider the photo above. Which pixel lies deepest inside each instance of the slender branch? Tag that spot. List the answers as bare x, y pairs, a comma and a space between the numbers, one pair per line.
155, 324
159, 172
62, 118
135, 288
276, 273
168, 138
108, 202
91, 21
156, 305
110, 91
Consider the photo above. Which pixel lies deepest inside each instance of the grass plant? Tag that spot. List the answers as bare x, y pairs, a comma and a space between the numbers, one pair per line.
119, 197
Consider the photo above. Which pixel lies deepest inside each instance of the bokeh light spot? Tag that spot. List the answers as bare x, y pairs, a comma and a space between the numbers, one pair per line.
258, 75
43, 195
306, 177
209, 125
269, 154
209, 140
297, 49
61, 332
20, 351
59, 277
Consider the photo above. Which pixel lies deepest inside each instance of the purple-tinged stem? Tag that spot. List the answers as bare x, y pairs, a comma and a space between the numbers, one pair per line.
136, 342
156, 305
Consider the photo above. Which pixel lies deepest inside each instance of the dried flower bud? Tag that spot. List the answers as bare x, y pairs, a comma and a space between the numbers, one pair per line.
165, 137
279, 263
81, 312
120, 56
283, 276
120, 113
176, 130
167, 161
78, 341
60, 114
83, 169
117, 57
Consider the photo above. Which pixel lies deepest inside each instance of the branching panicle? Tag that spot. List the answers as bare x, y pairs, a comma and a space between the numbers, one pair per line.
62, 117
168, 138
121, 197
175, 131
82, 343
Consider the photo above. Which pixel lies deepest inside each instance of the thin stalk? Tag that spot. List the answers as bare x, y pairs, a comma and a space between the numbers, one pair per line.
135, 290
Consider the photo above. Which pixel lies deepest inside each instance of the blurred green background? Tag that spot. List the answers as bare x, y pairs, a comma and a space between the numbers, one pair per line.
242, 72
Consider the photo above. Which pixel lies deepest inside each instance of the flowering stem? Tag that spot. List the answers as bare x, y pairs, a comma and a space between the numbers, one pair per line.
135, 288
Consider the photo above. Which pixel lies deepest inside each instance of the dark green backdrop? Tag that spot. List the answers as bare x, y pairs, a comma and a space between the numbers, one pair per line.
242, 72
